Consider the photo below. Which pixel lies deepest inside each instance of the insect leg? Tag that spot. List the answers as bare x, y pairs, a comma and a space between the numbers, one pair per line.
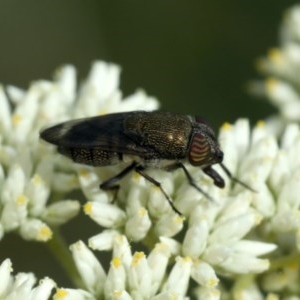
192, 182
112, 183
218, 180
141, 170
228, 173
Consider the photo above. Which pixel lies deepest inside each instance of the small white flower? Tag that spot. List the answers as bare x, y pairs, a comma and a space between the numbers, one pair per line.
121, 295
104, 240
169, 225
282, 66
106, 215
116, 278
43, 290
21, 286
89, 268
5, 270
204, 274
140, 276
158, 261
178, 280
196, 238
73, 294
208, 293
60, 212
138, 225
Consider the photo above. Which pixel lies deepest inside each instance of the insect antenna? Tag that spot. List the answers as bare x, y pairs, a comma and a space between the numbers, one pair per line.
234, 179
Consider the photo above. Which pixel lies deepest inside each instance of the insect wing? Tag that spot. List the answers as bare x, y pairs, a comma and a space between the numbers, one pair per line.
106, 132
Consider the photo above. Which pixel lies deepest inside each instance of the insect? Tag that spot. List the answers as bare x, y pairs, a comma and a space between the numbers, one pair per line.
152, 139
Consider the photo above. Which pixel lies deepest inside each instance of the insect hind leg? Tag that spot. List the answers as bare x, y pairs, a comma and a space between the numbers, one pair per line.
112, 183
141, 170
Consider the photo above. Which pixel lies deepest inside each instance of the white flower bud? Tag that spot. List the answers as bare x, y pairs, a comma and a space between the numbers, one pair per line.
89, 268
106, 215
103, 241
35, 229
177, 282
138, 225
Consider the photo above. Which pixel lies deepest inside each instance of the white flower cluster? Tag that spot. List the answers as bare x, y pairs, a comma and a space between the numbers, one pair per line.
213, 252
26, 171
214, 238
29, 172
21, 286
282, 66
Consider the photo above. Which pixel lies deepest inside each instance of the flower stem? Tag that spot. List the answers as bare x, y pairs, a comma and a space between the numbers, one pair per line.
60, 251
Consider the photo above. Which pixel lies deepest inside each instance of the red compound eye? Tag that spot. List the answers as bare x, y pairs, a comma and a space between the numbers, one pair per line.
200, 151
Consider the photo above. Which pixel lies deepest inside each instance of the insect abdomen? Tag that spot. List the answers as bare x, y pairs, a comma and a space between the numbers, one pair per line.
91, 156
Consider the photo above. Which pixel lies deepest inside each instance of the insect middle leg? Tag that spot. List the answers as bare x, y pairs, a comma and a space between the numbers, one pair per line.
189, 177
112, 183
141, 170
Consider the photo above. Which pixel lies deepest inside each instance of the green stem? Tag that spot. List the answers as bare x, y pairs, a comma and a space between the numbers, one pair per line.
60, 251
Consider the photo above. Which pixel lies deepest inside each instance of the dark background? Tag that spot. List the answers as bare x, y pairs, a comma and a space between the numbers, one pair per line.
194, 56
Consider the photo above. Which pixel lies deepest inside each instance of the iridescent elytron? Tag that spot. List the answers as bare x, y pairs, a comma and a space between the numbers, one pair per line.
145, 139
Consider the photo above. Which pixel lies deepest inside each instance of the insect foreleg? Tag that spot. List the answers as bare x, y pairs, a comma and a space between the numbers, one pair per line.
228, 173
112, 183
141, 170
192, 182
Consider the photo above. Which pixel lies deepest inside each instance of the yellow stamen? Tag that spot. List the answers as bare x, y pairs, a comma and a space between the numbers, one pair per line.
88, 208
22, 200
17, 119
138, 256
226, 126
44, 234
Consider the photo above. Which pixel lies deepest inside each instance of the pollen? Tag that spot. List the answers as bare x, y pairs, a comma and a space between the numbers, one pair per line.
187, 259
156, 189
136, 177
179, 220
118, 294
276, 56
261, 124
84, 173
212, 283
143, 212
102, 112
44, 234
226, 126
22, 200
61, 294
117, 262
37, 179
271, 85
17, 120
161, 247
138, 256
88, 208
